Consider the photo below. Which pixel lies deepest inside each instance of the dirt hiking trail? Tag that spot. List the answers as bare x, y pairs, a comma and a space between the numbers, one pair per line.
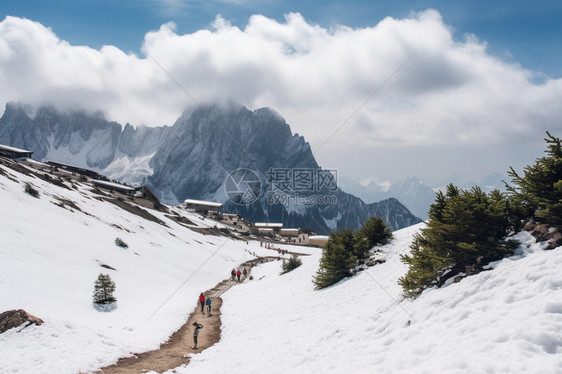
176, 351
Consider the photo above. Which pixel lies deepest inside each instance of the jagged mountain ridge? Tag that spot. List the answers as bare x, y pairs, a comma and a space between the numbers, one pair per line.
192, 159
415, 193
213, 141
88, 139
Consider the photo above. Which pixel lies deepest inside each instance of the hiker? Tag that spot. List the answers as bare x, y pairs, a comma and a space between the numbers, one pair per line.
208, 302
198, 326
238, 275
245, 272
202, 301
233, 273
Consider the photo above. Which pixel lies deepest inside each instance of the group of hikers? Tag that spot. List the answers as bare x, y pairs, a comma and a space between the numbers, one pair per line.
203, 301
207, 301
271, 246
236, 274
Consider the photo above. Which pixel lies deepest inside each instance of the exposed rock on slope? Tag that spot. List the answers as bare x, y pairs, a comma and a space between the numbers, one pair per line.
15, 318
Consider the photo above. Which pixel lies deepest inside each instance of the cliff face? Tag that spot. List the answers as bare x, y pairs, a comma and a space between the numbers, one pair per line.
194, 157
210, 143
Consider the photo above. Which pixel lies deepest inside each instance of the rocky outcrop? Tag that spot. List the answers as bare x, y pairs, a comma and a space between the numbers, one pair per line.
545, 233
15, 318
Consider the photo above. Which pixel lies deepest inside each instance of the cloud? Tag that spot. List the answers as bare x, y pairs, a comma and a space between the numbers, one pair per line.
451, 93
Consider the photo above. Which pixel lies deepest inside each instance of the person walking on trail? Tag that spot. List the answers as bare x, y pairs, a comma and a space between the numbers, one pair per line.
233, 273
202, 301
198, 326
245, 272
208, 302
238, 273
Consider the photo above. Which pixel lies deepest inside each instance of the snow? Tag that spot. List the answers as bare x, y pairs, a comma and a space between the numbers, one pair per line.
112, 185
319, 237
333, 223
506, 320
64, 154
201, 202
51, 256
13, 149
130, 170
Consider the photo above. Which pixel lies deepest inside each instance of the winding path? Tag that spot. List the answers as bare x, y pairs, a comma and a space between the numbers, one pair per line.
176, 351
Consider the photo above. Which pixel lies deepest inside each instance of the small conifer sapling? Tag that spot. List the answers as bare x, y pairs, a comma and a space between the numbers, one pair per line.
104, 288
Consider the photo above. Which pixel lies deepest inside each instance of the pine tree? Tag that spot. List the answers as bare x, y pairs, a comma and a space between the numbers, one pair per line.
466, 230
120, 243
346, 249
291, 264
337, 259
539, 191
31, 191
376, 232
103, 290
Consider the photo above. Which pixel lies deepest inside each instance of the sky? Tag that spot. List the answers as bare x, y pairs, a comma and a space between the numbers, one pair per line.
381, 91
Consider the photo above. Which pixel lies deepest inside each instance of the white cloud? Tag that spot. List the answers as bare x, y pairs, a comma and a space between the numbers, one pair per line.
451, 94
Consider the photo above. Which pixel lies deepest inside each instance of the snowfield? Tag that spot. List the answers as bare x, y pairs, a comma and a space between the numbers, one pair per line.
50, 257
507, 320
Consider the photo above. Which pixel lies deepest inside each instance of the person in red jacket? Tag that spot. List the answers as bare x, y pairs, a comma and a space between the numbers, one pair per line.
238, 273
233, 273
202, 302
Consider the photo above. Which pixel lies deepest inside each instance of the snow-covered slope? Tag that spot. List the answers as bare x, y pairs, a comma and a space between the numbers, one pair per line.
508, 320
50, 257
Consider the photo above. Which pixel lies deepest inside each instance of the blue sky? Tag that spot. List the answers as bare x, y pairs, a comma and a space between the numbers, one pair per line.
525, 32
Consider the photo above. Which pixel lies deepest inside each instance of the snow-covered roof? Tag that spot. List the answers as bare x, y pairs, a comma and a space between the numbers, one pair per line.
268, 224
201, 202
113, 185
318, 237
14, 149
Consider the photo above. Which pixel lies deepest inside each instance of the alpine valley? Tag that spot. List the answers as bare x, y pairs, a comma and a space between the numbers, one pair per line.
194, 157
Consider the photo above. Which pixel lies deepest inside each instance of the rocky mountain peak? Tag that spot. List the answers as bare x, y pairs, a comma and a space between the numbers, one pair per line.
193, 158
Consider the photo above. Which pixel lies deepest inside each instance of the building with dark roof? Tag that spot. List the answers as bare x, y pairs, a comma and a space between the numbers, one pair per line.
76, 169
14, 153
126, 190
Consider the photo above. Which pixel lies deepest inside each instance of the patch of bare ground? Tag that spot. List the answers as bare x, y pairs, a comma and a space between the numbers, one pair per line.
121, 203
179, 219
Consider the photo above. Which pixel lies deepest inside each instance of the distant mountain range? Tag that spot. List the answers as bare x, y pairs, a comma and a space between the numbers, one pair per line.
194, 157
413, 192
